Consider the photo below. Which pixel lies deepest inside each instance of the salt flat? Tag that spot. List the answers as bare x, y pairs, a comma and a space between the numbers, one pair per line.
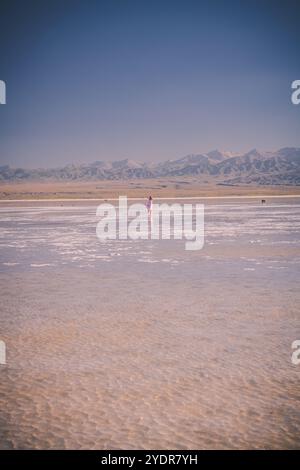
141, 344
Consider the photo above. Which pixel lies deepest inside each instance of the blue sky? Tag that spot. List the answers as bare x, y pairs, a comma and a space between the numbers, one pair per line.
146, 80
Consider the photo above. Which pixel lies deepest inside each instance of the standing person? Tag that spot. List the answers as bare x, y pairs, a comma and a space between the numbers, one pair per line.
149, 204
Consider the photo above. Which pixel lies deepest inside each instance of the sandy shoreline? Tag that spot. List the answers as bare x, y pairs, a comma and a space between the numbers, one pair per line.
163, 188
278, 196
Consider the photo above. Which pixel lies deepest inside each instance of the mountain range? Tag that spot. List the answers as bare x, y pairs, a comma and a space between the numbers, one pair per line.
280, 167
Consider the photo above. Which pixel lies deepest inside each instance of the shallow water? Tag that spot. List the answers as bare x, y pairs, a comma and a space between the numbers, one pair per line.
142, 344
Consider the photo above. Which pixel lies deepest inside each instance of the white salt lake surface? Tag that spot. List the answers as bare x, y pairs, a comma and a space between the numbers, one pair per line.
142, 344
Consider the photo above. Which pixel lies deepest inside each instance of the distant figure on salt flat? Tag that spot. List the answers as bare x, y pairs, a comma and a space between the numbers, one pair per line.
263, 201
149, 204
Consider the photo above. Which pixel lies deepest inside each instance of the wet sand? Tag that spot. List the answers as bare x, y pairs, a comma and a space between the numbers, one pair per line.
141, 344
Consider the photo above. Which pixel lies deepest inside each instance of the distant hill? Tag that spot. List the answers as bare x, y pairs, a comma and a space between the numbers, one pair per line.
281, 167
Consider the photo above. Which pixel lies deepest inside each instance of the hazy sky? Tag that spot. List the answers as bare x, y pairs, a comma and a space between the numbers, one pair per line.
146, 80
